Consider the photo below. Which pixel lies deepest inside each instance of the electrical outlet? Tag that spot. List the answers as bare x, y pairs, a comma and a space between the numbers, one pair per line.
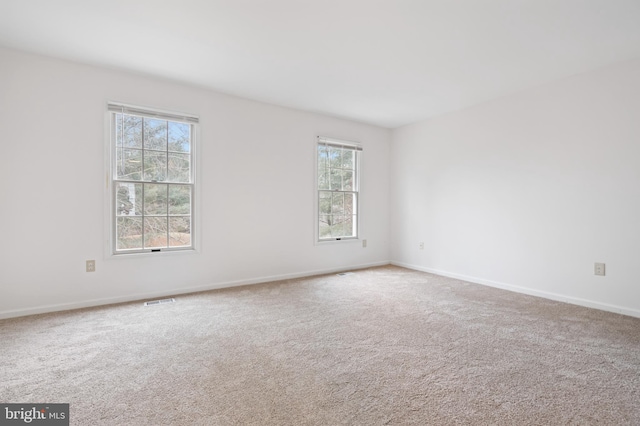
91, 265
364, 243
421, 246
598, 269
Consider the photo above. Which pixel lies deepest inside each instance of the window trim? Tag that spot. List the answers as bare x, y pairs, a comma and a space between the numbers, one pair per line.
192, 120
338, 143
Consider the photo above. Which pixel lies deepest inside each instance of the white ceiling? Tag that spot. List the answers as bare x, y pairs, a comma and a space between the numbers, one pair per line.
385, 62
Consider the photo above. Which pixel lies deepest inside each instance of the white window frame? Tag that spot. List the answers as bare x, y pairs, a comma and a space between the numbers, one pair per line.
357, 188
114, 108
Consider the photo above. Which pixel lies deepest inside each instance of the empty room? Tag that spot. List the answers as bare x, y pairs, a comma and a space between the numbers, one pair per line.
287, 212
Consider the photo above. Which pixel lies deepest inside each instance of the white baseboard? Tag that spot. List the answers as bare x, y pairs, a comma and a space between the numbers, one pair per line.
153, 295
236, 283
526, 290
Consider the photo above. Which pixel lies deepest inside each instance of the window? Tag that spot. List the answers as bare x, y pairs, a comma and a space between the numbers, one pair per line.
338, 164
152, 180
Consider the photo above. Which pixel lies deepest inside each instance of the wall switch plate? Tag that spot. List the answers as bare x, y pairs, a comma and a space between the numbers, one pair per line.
91, 265
421, 246
364, 243
598, 269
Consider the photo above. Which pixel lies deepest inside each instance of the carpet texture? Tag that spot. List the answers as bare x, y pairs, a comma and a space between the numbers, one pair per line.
379, 346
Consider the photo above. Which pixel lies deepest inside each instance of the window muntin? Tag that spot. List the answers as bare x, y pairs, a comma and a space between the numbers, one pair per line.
152, 176
338, 164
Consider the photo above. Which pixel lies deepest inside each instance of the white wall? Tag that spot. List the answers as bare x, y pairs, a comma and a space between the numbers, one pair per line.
528, 191
257, 190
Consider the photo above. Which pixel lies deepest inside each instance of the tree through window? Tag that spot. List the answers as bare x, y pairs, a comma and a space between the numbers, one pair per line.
152, 176
338, 165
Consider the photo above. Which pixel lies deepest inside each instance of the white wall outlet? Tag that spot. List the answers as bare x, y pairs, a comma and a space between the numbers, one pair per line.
91, 265
364, 243
598, 269
421, 246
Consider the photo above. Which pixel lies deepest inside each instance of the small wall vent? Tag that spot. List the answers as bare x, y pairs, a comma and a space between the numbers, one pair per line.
159, 302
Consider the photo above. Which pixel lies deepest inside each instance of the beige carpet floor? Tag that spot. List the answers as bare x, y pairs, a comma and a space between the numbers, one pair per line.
380, 346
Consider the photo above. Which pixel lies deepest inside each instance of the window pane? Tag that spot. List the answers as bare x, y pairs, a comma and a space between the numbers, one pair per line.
348, 226
348, 159
179, 167
179, 231
325, 202
347, 180
179, 199
337, 203
336, 179
128, 131
324, 226
129, 233
155, 165
129, 163
155, 199
337, 227
349, 203
118, 130
323, 157
335, 158
155, 232
155, 134
179, 137
323, 179
128, 199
